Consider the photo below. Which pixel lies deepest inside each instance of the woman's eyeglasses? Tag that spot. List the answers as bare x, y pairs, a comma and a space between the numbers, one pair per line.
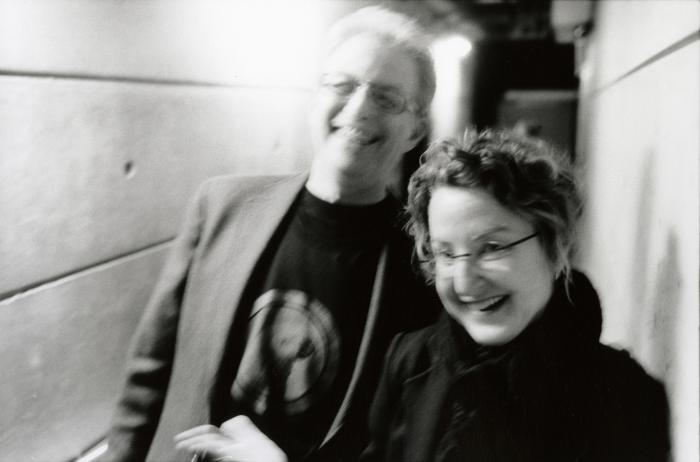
485, 252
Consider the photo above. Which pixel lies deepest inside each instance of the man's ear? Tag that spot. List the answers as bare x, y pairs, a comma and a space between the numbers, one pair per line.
420, 129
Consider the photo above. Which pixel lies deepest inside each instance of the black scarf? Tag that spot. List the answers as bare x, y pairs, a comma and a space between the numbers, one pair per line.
504, 401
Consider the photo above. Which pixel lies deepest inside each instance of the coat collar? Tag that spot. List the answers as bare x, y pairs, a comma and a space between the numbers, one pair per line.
531, 364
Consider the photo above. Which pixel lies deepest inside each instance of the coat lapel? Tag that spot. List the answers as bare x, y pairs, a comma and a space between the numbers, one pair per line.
366, 346
425, 397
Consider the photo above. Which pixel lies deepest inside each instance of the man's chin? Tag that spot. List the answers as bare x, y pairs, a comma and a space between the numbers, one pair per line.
348, 154
353, 148
351, 145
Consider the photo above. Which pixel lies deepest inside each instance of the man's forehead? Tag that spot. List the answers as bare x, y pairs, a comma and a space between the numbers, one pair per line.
369, 57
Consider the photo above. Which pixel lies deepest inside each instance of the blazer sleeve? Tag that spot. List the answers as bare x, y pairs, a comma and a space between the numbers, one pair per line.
151, 354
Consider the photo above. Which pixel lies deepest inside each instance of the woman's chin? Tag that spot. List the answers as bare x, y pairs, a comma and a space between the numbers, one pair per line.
490, 335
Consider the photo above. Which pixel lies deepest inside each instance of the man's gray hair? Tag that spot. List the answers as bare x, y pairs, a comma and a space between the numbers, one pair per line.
395, 29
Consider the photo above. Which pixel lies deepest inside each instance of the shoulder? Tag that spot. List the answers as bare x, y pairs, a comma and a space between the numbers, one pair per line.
237, 186
629, 393
221, 200
222, 195
412, 353
621, 368
633, 404
615, 384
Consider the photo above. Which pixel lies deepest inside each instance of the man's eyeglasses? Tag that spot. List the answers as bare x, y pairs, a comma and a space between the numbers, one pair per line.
386, 98
485, 252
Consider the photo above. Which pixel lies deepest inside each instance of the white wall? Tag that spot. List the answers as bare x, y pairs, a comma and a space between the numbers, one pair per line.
639, 148
111, 114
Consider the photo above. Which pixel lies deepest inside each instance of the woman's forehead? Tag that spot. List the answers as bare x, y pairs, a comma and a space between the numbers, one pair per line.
471, 209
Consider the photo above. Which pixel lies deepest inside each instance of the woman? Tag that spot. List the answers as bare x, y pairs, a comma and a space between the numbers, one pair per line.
513, 371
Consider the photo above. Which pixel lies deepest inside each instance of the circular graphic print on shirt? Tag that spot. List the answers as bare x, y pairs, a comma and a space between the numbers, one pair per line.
291, 355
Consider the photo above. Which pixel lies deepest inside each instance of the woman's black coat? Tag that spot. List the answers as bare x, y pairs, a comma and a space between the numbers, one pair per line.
553, 394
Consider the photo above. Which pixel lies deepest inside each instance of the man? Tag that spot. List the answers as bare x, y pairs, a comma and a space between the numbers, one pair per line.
265, 335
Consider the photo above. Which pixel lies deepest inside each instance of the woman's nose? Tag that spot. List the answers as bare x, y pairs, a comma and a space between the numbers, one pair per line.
466, 277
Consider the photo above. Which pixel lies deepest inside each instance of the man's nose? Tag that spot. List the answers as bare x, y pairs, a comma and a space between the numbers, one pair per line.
359, 104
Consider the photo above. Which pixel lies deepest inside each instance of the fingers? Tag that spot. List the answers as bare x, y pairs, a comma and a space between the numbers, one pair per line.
239, 425
205, 439
200, 430
238, 440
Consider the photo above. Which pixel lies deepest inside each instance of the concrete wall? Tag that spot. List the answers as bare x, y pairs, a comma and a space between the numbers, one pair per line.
111, 113
638, 141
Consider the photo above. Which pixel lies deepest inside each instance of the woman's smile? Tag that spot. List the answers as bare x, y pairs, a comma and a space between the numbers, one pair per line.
485, 305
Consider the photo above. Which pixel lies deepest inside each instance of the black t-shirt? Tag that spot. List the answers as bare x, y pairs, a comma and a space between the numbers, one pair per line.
306, 324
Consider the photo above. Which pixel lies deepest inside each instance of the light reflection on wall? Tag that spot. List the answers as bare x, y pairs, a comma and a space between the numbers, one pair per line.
449, 111
265, 43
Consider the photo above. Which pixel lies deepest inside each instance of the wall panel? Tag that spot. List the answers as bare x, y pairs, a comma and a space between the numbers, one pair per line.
111, 113
635, 30
266, 42
90, 169
639, 140
643, 173
62, 354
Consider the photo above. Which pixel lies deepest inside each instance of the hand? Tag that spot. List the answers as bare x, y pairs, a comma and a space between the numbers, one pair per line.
238, 440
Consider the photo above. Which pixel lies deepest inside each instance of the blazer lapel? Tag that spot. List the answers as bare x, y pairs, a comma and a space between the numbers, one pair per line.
219, 275
229, 263
254, 227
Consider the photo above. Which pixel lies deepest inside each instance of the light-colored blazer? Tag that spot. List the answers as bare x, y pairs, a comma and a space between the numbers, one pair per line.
180, 341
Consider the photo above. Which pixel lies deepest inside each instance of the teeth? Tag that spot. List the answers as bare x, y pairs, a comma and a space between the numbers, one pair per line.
355, 135
482, 304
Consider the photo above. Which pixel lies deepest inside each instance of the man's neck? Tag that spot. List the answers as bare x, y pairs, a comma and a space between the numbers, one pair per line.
337, 189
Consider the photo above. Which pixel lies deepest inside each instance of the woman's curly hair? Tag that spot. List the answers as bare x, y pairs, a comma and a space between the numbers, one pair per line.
526, 175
